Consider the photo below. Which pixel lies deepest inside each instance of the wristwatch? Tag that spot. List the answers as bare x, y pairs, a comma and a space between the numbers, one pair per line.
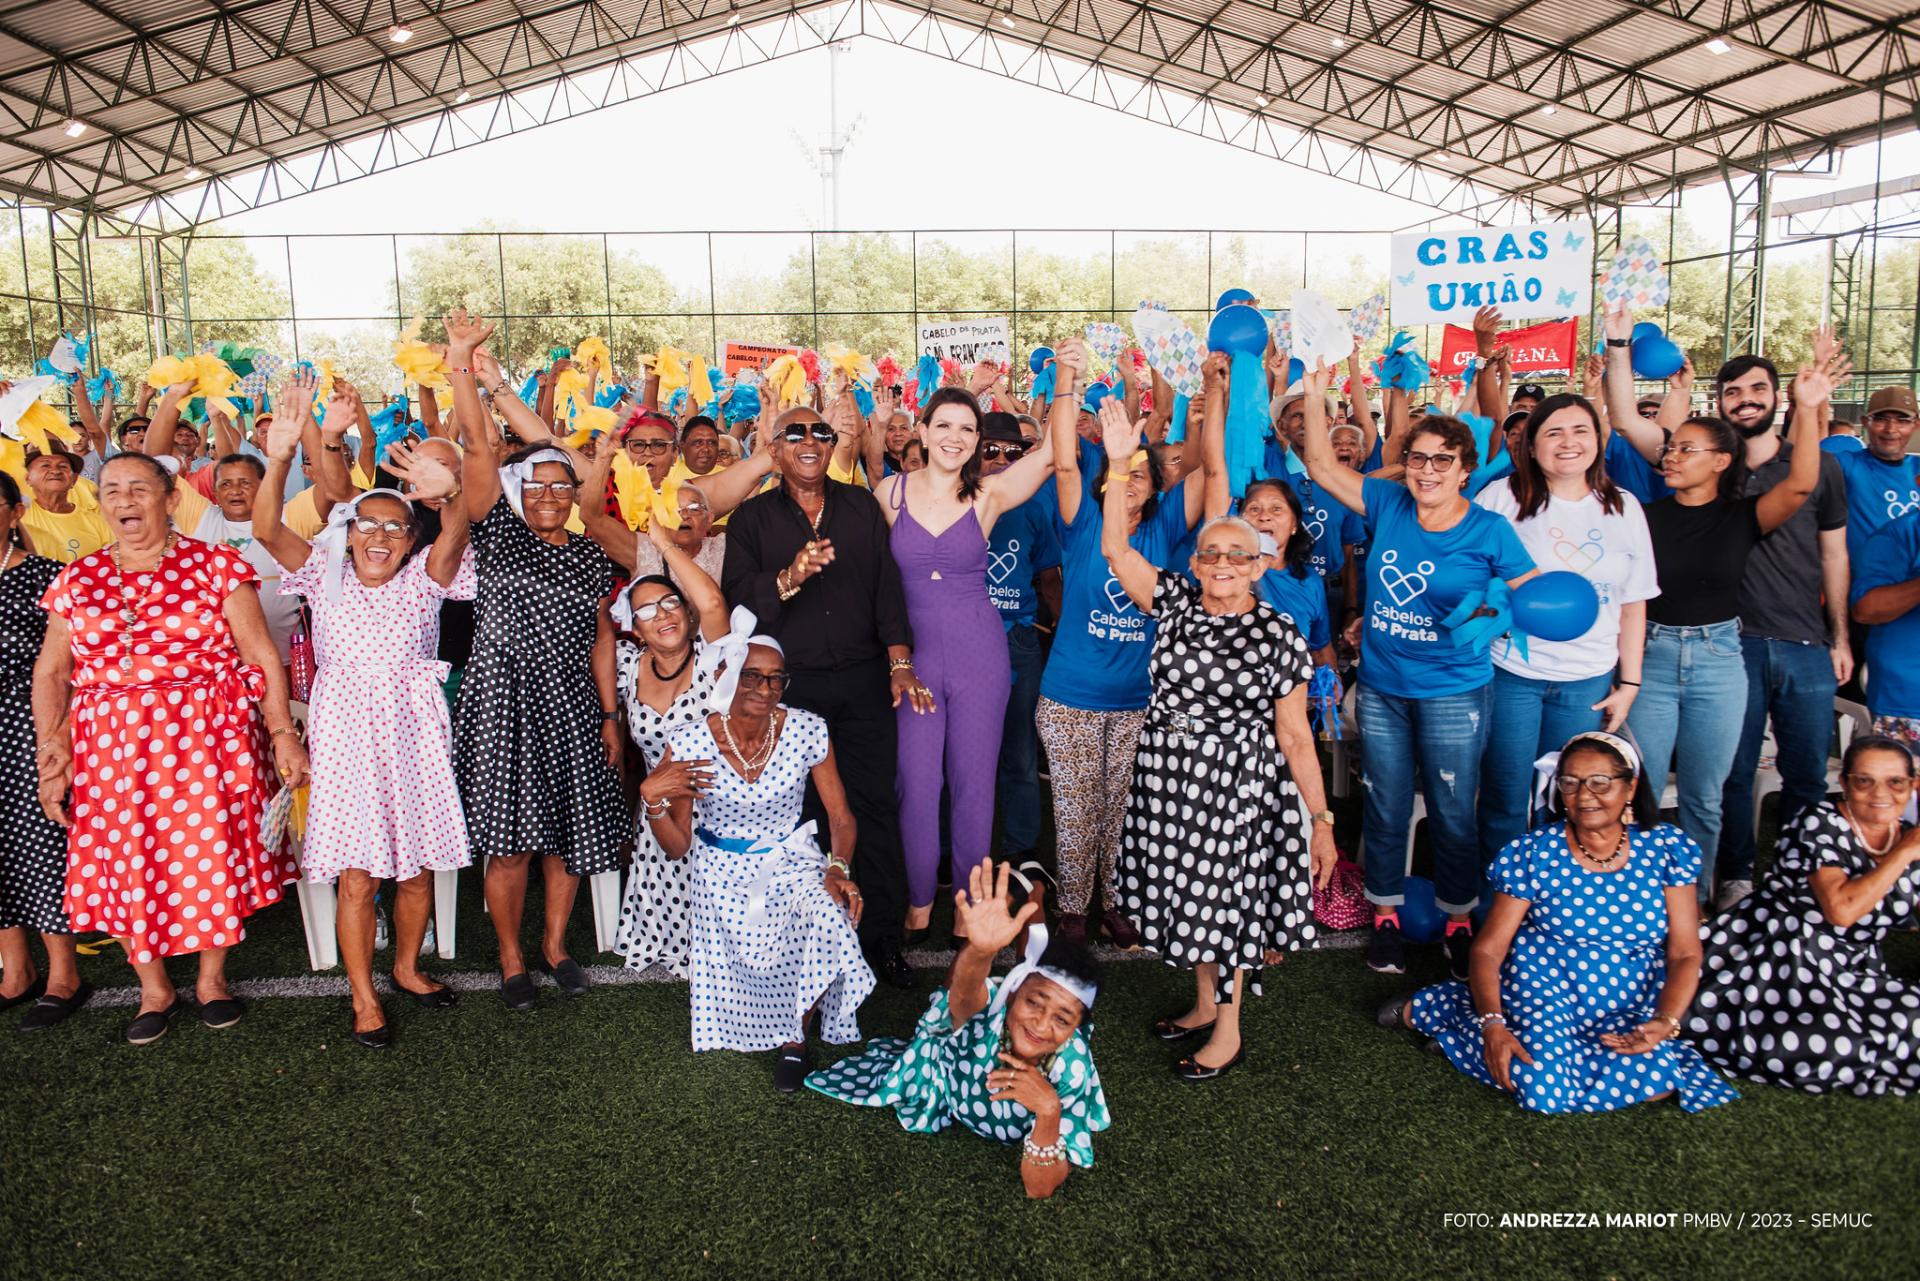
1324, 816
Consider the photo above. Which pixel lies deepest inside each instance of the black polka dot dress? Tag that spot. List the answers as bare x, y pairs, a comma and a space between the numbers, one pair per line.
33, 848
532, 767
1789, 998
653, 911
1213, 859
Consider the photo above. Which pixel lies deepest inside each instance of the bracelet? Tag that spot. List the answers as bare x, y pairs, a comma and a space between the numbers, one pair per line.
1635, 684
1673, 1025
1619, 342
840, 865
287, 729
1481, 1020
782, 587
899, 664
332, 449
1044, 1154
648, 805
608, 717
458, 369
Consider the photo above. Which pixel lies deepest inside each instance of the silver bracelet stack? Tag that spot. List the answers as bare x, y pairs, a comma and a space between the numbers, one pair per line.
1050, 1154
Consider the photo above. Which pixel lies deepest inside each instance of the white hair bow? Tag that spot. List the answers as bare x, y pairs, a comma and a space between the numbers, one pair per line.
515, 475
1547, 768
1037, 937
731, 650
332, 541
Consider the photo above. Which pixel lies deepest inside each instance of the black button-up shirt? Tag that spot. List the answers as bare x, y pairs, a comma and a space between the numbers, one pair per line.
849, 612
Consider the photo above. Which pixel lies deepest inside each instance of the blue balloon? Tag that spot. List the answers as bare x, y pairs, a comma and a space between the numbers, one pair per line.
1237, 330
1038, 358
1657, 357
1645, 329
1560, 606
1095, 394
1296, 370
1421, 919
1232, 296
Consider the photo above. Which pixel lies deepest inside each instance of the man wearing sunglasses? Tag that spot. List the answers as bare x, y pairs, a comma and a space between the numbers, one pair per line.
811, 558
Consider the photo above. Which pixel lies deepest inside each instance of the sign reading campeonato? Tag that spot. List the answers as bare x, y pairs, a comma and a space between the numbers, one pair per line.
1536, 270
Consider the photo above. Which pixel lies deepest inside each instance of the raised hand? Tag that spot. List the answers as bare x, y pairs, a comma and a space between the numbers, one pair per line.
985, 911
428, 477
1619, 322
1813, 385
283, 433
1317, 380
1120, 434
1071, 355
1216, 372
1486, 323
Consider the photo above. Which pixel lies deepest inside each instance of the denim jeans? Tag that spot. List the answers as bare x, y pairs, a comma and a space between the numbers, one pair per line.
1793, 684
1019, 781
1527, 718
1693, 694
1436, 742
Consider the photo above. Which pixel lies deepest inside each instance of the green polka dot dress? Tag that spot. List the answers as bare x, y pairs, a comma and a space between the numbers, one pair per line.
940, 1077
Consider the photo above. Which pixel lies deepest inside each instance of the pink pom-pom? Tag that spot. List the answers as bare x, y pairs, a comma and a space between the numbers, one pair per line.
910, 396
810, 361
889, 371
949, 367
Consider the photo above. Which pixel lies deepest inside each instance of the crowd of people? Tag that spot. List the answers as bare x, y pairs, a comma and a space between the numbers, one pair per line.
791, 671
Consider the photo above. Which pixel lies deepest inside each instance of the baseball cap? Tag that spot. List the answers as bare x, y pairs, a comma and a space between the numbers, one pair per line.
1896, 399
995, 425
1534, 390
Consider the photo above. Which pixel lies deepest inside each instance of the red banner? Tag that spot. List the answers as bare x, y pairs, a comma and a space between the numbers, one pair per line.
1547, 346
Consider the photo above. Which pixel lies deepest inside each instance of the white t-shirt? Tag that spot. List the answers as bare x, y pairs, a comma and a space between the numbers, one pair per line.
282, 611
1614, 553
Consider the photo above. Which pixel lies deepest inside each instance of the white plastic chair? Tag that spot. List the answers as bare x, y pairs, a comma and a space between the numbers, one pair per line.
446, 895
317, 919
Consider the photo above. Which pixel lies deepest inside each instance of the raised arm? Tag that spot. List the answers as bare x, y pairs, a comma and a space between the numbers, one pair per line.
731, 486
287, 548
703, 595
159, 438
89, 419
1134, 571
1346, 486
1218, 498
331, 476
1069, 365
1812, 388
1623, 415
479, 472
1362, 412
226, 438
430, 414
1015, 485
432, 479
615, 539
1395, 404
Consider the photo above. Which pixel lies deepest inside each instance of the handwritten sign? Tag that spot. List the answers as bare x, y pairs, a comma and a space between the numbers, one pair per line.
1547, 346
968, 341
735, 356
1320, 332
1529, 271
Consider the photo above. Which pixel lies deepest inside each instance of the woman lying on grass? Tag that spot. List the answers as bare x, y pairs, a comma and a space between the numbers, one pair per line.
1008, 1060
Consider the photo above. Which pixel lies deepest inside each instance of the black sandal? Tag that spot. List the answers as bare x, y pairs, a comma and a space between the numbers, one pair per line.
1194, 1073
1168, 1030
440, 998
151, 1026
568, 976
31, 992
518, 992
50, 1010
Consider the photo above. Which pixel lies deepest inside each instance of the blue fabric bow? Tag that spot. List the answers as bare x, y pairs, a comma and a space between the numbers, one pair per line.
608, 397
677, 402
1043, 384
863, 397
1478, 633
1482, 428
530, 389
388, 429
927, 374
1323, 702
744, 404
1402, 366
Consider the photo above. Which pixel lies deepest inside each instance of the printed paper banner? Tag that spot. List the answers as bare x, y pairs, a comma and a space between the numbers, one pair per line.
735, 356
1528, 271
968, 341
1172, 348
1637, 276
1319, 331
1548, 346
1365, 320
1280, 325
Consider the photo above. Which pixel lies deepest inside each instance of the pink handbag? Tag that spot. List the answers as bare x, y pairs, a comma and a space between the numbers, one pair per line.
1343, 904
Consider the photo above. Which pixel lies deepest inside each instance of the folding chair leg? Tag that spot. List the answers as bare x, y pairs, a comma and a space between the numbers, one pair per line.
446, 894
317, 919
604, 888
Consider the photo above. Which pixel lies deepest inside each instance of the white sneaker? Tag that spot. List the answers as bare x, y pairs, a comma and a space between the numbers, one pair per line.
1731, 893
428, 941
380, 935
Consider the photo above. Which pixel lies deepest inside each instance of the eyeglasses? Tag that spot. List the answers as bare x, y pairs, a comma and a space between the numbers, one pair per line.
1894, 416
558, 488
1002, 449
652, 609
1214, 555
368, 525
1863, 783
794, 433
1439, 462
692, 509
1601, 785
1688, 451
773, 682
650, 446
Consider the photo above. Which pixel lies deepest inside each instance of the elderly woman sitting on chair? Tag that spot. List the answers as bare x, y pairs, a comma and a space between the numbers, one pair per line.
1008, 1060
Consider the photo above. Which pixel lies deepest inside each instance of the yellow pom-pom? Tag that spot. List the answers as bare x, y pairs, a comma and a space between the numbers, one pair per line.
592, 354
633, 489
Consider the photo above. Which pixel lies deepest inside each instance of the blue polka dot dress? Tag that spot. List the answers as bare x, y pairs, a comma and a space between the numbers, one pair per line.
940, 1077
1590, 958
765, 940
1789, 998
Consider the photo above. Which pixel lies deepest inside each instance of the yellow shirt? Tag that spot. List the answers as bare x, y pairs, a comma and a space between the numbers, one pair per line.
302, 516
66, 536
189, 509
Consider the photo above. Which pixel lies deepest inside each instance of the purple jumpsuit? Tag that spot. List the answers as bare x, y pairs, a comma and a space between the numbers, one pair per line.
960, 654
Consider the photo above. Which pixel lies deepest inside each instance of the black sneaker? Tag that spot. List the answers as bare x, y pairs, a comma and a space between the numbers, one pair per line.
1386, 950
790, 1068
1459, 945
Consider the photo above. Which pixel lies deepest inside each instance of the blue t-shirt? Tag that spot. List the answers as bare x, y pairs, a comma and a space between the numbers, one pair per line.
1893, 678
1877, 493
1633, 473
1100, 650
1331, 525
1024, 542
1415, 578
1302, 602
1843, 444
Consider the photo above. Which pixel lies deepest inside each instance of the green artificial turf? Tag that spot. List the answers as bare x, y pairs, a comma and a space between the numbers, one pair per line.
585, 1140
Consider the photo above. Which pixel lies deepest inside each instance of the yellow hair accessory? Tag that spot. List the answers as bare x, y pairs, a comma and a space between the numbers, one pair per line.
785, 380
1139, 456
417, 360
592, 353
633, 488
212, 379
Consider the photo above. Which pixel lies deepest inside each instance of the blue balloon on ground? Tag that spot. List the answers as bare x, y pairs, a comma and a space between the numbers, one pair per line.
1421, 919
1232, 296
1657, 357
1039, 358
1560, 606
1237, 331
1645, 329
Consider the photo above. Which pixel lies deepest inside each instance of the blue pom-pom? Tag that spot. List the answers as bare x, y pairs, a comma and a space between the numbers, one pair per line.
1237, 331
863, 397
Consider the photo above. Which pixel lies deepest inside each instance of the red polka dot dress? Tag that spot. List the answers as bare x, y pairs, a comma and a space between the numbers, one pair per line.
378, 731
170, 754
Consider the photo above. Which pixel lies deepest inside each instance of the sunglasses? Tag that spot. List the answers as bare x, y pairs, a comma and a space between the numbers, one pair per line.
794, 433
368, 525
1002, 449
1439, 462
772, 681
1214, 555
1601, 785
558, 488
652, 609
650, 446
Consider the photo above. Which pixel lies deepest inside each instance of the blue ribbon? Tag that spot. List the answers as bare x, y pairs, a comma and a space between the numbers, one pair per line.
927, 375
1482, 428
1402, 366
530, 389
1249, 422
1478, 633
1043, 384
863, 397
1323, 702
608, 397
98, 384
1177, 429
388, 430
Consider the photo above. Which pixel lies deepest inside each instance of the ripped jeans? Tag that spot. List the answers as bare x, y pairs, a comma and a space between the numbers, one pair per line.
1436, 743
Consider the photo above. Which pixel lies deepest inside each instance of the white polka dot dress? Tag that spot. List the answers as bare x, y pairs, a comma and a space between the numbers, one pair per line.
659, 894
383, 798
1213, 859
1590, 959
1788, 998
172, 767
940, 1077
766, 941
532, 767
33, 848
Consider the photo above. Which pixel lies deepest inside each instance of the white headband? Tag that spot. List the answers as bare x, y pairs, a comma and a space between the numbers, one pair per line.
332, 541
1081, 990
1548, 767
731, 650
514, 475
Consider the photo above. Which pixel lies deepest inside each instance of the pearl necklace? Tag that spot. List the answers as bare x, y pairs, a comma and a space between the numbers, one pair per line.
1606, 864
130, 609
1859, 832
6, 563
750, 769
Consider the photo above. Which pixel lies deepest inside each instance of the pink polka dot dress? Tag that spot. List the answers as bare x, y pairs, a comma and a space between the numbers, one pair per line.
172, 766
378, 732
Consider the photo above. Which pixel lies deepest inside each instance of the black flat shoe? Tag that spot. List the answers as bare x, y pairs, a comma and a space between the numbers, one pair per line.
1390, 1015
379, 1038
151, 1026
49, 1010
1193, 1073
890, 967
790, 1069
32, 992
914, 938
569, 976
441, 998
518, 992
222, 1013
1168, 1030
